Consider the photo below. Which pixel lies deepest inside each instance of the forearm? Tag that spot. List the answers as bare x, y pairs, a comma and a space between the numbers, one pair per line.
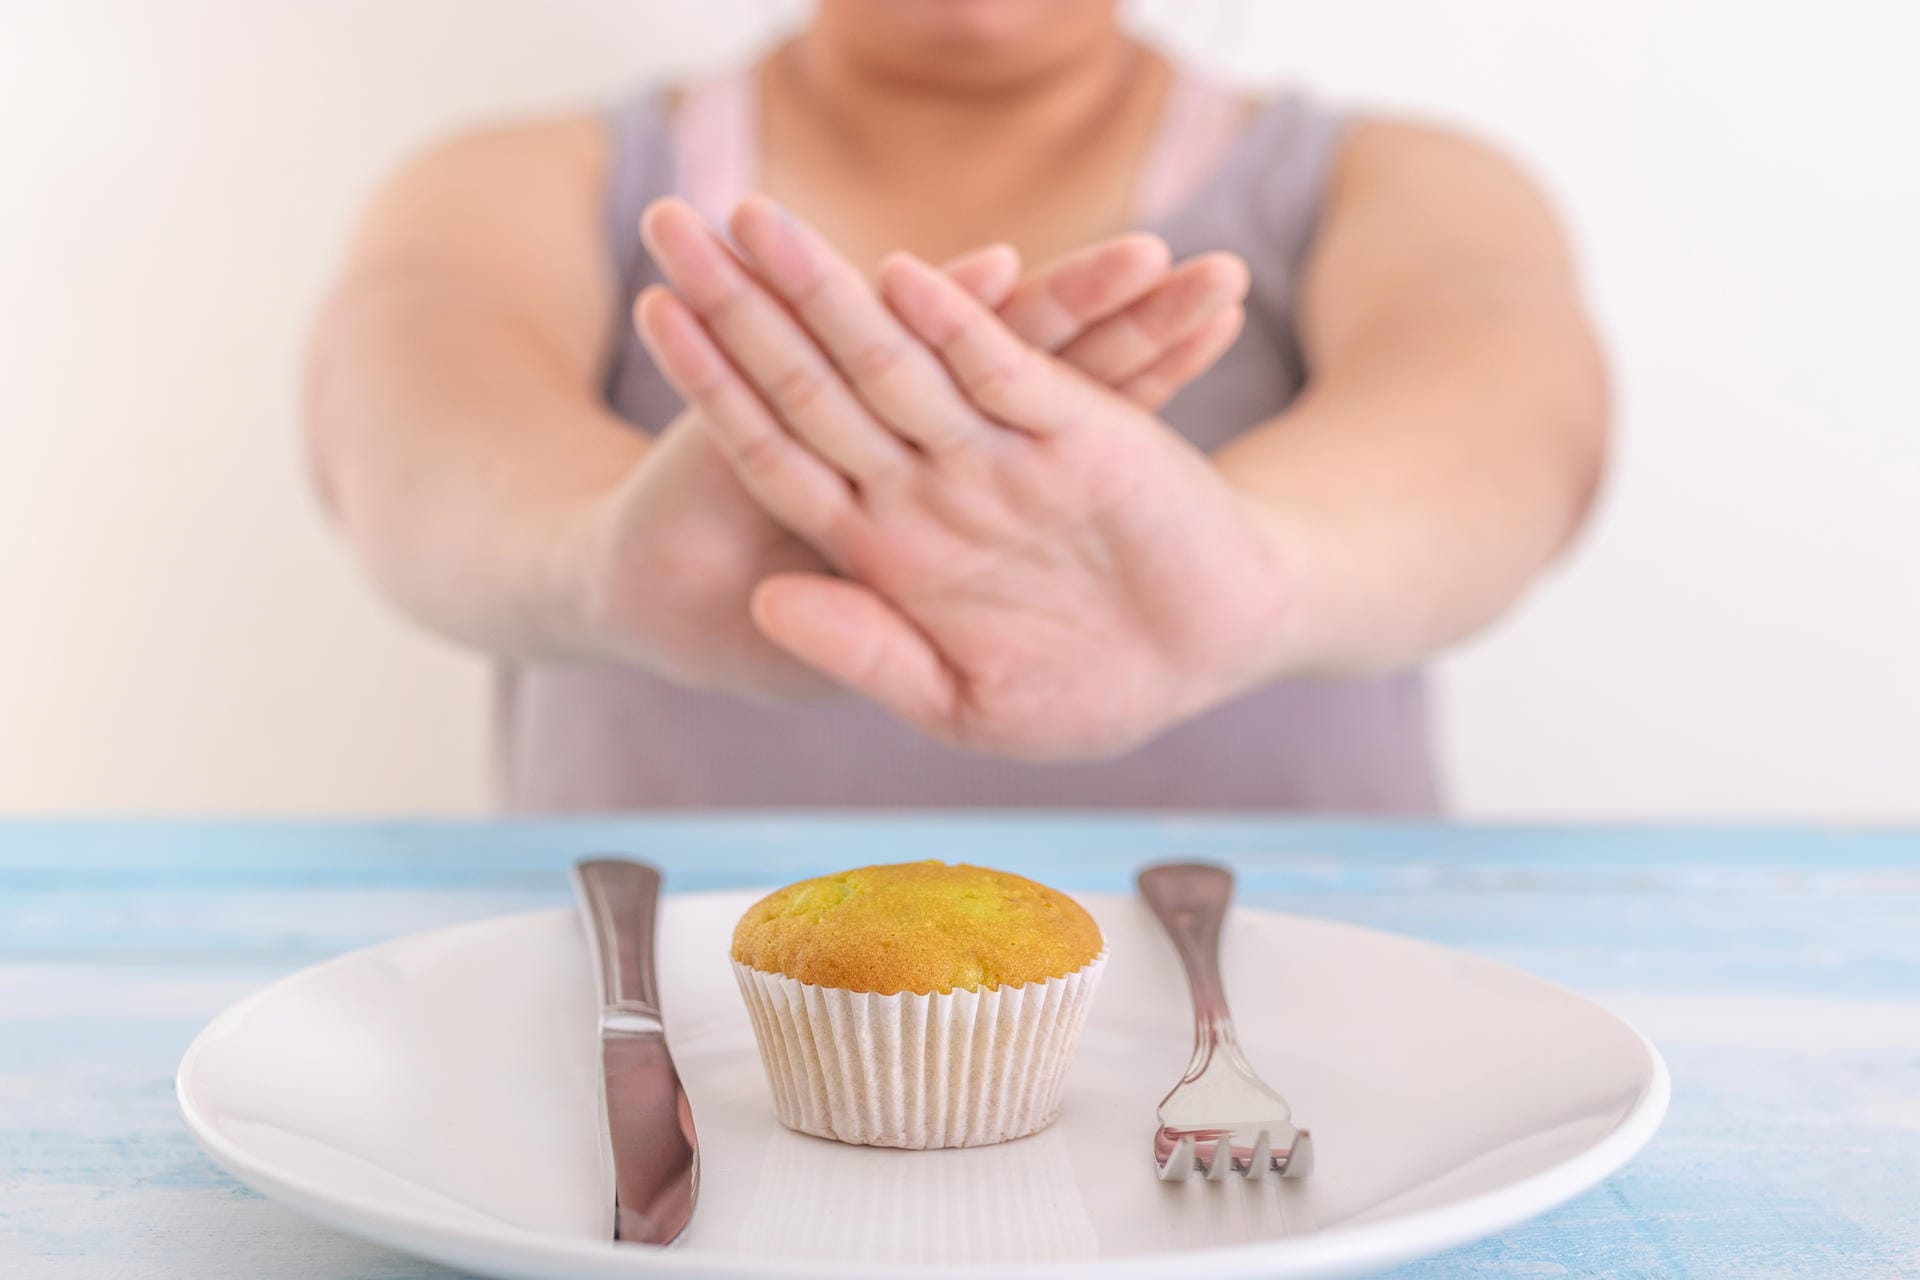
1418, 486
463, 460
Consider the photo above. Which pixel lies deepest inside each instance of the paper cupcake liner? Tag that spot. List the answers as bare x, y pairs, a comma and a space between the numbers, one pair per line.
961, 1069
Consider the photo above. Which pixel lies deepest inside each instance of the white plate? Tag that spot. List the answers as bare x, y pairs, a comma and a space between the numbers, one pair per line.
437, 1094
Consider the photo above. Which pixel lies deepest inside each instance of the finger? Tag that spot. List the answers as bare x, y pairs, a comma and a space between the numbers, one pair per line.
894, 373
848, 633
786, 478
988, 273
1014, 382
1125, 345
1185, 361
1062, 299
766, 344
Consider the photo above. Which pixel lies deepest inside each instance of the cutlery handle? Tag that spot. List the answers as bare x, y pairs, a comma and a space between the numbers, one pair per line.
1190, 900
618, 898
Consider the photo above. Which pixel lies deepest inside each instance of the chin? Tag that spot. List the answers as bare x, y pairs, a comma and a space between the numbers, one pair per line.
939, 40
986, 22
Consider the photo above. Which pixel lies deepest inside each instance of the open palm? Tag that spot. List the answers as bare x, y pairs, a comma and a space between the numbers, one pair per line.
1027, 562
682, 545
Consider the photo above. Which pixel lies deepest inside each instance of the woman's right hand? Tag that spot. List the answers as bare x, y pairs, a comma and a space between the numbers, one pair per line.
676, 550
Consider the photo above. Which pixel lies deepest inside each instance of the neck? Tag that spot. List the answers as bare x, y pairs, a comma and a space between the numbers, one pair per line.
878, 112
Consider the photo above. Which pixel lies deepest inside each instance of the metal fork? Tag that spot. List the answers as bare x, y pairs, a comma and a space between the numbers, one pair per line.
1221, 1118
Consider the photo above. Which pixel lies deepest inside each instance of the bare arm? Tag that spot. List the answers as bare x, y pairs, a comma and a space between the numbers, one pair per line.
1049, 572
451, 411
460, 439
1452, 433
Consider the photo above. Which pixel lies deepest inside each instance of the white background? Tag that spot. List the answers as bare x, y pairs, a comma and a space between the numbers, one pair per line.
1737, 636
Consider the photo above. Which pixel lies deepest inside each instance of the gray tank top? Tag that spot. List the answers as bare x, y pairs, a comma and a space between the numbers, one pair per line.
589, 737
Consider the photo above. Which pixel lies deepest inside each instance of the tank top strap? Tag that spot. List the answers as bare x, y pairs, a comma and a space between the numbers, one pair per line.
641, 167
1286, 166
703, 148
1249, 178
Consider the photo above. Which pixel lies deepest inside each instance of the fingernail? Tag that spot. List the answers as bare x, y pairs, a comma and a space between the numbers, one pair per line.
781, 216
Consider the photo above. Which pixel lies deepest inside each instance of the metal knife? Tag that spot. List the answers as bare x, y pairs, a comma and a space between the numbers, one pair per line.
656, 1160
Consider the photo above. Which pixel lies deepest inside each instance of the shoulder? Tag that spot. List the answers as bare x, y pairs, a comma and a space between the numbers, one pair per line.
506, 220
1420, 184
1303, 147
523, 199
482, 177
1419, 219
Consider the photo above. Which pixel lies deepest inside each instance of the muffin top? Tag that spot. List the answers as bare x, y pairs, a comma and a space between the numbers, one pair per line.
919, 927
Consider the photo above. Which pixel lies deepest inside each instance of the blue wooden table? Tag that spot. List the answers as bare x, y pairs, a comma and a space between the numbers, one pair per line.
1778, 970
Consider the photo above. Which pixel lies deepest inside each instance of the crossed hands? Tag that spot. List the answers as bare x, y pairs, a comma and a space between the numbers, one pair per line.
946, 491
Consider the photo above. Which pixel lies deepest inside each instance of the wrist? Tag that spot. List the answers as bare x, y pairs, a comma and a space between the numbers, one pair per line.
1346, 604
1290, 604
563, 568
567, 603
655, 570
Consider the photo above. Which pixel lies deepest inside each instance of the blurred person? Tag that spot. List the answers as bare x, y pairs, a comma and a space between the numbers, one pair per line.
787, 516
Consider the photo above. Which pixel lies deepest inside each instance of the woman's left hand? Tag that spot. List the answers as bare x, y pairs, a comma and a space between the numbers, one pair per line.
1034, 565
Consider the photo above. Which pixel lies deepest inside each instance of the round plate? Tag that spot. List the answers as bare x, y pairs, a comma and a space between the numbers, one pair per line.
439, 1094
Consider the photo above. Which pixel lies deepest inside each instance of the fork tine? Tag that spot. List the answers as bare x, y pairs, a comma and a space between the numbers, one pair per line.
1180, 1163
1299, 1156
1222, 1158
1260, 1158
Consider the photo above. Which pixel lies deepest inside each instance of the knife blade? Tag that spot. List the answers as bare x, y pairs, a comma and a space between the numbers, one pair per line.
656, 1158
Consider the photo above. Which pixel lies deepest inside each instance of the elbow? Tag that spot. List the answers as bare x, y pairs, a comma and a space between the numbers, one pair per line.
1586, 428
325, 421
317, 432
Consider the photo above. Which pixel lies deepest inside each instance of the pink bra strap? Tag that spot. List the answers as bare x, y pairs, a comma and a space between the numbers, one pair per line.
717, 138
716, 134
1197, 125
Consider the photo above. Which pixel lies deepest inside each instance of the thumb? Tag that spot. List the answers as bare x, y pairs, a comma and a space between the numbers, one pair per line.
848, 633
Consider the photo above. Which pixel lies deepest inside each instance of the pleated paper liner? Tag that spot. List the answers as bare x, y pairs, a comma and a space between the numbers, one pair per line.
959, 1069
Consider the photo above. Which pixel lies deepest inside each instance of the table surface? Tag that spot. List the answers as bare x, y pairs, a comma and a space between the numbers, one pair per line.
1778, 970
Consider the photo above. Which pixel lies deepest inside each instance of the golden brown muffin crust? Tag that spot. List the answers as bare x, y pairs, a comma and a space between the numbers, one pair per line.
919, 927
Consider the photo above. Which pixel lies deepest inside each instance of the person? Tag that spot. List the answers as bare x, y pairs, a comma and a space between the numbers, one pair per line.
786, 516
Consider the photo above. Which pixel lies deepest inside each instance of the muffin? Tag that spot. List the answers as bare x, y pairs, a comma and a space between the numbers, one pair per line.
917, 1005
